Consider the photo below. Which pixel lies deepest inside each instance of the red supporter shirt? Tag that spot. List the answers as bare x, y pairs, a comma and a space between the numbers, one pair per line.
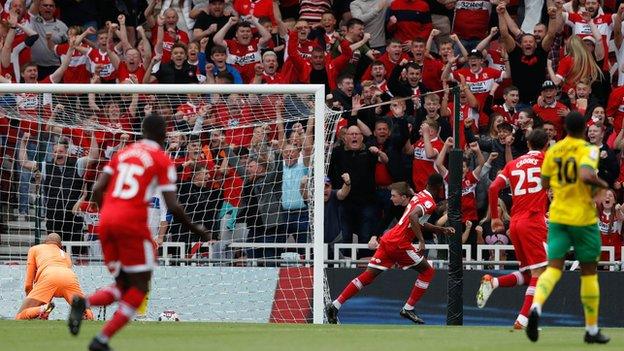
382, 174
413, 20
77, 71
34, 105
90, 216
523, 174
97, 57
480, 84
168, 41
472, 19
465, 113
124, 72
615, 107
244, 58
257, 8
20, 36
469, 198
235, 136
550, 114
502, 110
137, 173
581, 27
431, 73
402, 231
422, 166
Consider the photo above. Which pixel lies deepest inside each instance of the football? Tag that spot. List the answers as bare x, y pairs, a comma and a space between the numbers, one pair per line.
168, 316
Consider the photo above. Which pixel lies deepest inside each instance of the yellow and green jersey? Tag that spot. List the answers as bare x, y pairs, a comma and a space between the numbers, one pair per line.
573, 202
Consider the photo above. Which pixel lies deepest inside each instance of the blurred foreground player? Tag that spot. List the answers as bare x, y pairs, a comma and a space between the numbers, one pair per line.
571, 169
528, 223
49, 274
396, 247
128, 182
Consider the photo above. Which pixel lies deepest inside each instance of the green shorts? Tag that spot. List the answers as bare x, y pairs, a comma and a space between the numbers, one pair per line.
584, 239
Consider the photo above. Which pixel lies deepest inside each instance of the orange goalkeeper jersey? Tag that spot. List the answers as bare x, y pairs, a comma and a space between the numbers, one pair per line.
41, 257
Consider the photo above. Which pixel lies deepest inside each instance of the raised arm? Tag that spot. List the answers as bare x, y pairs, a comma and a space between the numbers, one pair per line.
123, 34
308, 141
149, 12
22, 156
220, 35
434, 32
485, 43
555, 25
57, 75
265, 35
430, 151
506, 39
439, 162
110, 47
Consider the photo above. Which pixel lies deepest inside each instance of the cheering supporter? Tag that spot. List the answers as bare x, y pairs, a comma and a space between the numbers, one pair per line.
390, 71
244, 50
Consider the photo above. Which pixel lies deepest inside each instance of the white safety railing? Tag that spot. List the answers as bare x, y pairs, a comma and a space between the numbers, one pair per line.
349, 260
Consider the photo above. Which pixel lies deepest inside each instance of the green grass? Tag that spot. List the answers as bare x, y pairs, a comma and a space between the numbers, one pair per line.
150, 336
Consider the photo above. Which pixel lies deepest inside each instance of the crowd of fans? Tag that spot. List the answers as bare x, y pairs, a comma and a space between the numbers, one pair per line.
389, 66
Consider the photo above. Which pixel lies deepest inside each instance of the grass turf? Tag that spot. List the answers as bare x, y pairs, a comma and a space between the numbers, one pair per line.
151, 336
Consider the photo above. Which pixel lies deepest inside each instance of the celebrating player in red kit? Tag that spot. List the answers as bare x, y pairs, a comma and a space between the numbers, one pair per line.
528, 223
133, 176
395, 247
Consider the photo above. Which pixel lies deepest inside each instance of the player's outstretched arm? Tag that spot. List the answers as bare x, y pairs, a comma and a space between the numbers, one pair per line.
178, 212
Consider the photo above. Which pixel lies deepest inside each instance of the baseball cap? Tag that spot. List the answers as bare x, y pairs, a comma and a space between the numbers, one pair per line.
548, 84
475, 53
590, 38
327, 180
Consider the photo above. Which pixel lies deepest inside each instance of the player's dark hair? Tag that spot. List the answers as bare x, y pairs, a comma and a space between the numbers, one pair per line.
537, 139
402, 188
154, 128
435, 181
575, 124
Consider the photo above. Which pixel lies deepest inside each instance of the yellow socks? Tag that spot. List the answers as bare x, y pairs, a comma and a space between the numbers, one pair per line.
590, 298
545, 285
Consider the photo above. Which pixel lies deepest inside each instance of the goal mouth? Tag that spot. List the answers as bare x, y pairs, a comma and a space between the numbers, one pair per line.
250, 160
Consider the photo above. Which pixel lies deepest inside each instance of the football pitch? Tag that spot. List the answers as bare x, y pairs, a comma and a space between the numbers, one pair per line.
171, 336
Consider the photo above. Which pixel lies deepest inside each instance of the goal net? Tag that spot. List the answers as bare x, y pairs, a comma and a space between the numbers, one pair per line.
250, 162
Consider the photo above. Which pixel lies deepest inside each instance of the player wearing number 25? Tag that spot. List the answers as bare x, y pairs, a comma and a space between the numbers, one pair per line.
133, 176
570, 169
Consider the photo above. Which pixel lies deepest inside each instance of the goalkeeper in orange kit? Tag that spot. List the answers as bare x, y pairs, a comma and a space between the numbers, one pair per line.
49, 274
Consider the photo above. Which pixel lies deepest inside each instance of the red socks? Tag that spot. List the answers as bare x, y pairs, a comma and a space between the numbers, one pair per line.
528, 297
513, 279
420, 287
354, 287
130, 301
104, 296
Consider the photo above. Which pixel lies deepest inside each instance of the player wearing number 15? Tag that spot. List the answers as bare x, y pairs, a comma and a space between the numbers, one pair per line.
133, 176
528, 226
570, 168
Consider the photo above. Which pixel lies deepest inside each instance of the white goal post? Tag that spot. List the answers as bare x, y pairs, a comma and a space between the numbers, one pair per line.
322, 131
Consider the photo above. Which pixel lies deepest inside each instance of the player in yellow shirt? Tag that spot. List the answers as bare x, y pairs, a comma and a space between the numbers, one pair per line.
570, 169
49, 274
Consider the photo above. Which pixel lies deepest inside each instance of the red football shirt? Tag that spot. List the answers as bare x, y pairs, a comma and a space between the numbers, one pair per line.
137, 173
77, 71
523, 176
402, 232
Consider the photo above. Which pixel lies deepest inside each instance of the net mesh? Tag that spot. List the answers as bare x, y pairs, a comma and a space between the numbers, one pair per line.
245, 171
